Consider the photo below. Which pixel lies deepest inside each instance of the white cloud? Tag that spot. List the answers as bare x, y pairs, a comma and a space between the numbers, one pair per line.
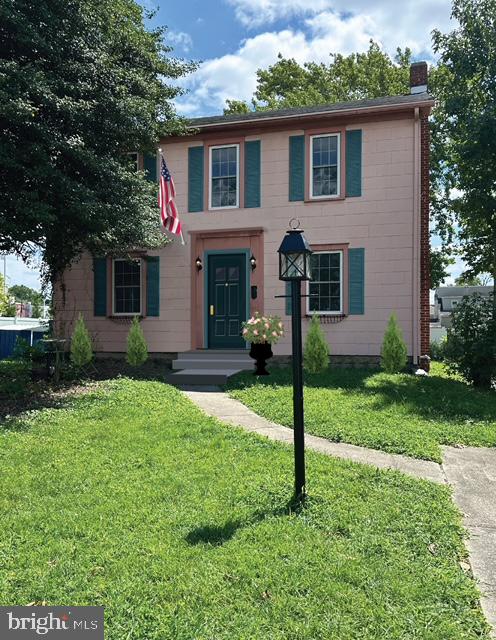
253, 13
408, 22
179, 40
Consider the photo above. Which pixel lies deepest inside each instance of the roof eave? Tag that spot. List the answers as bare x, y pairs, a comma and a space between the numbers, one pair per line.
351, 111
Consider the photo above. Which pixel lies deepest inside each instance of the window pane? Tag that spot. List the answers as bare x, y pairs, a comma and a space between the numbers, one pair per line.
325, 171
127, 286
224, 172
325, 287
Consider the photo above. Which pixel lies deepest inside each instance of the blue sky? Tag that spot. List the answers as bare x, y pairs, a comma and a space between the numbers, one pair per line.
233, 38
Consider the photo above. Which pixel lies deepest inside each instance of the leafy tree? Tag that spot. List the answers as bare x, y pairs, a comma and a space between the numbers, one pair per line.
81, 348
4, 298
236, 106
394, 352
468, 281
316, 352
440, 261
360, 75
471, 343
466, 90
137, 351
82, 82
22, 293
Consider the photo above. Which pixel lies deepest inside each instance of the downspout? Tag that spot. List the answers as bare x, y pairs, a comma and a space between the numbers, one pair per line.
416, 240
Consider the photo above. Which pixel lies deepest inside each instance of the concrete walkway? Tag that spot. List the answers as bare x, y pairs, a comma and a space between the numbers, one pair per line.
470, 471
219, 404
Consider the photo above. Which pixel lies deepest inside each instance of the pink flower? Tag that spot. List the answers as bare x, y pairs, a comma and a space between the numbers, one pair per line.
255, 332
280, 325
274, 333
264, 337
245, 331
267, 325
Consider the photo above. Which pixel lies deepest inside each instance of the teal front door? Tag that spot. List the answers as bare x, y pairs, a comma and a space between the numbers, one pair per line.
226, 300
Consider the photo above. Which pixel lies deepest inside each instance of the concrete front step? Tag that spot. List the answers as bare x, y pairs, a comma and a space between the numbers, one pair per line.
212, 363
201, 377
210, 354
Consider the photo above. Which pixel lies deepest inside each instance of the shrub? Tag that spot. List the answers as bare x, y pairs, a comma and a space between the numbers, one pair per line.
438, 349
393, 353
24, 351
81, 348
137, 352
316, 352
471, 344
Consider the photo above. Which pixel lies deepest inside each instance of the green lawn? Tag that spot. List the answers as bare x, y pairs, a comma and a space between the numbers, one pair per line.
395, 413
131, 498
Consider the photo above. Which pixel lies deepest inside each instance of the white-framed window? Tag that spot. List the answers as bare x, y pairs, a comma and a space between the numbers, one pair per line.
133, 159
326, 286
126, 287
324, 166
224, 177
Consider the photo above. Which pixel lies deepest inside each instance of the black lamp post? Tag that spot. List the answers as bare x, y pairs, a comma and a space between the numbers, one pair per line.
294, 267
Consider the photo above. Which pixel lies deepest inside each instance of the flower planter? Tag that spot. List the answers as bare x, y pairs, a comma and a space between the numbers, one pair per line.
260, 352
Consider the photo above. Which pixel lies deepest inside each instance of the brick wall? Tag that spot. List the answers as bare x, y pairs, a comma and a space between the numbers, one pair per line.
424, 234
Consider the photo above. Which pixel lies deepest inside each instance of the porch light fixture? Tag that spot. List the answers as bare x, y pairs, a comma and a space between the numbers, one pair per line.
199, 264
253, 262
294, 267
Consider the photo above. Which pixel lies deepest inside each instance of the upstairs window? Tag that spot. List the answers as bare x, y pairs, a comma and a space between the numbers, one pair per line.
326, 285
133, 158
324, 166
224, 177
127, 287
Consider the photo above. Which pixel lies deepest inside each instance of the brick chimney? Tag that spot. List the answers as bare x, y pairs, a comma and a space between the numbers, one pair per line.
418, 77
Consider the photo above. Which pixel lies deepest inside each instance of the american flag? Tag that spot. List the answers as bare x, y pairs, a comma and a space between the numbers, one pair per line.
166, 195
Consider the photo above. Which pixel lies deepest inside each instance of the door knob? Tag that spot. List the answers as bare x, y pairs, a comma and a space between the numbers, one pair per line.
211, 309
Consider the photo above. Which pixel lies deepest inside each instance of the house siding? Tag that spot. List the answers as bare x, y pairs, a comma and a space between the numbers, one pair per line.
380, 221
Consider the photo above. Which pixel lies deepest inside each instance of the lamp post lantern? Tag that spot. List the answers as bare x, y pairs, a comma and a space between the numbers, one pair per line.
294, 267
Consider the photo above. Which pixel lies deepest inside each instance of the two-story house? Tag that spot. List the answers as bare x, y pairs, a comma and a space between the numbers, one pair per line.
354, 174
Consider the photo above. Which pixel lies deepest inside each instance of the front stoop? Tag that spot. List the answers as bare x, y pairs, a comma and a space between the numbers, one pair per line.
208, 367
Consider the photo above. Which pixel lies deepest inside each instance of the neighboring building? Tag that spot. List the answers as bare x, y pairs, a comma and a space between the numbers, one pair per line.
447, 298
23, 309
12, 329
357, 177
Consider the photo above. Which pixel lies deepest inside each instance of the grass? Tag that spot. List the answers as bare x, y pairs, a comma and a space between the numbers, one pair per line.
129, 497
396, 413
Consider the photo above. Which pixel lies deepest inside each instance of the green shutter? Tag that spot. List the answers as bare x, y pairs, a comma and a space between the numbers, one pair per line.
354, 163
100, 286
195, 178
296, 168
153, 286
288, 299
356, 277
150, 166
252, 173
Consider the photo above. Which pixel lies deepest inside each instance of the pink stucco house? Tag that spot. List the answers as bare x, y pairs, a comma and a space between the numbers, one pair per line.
355, 175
